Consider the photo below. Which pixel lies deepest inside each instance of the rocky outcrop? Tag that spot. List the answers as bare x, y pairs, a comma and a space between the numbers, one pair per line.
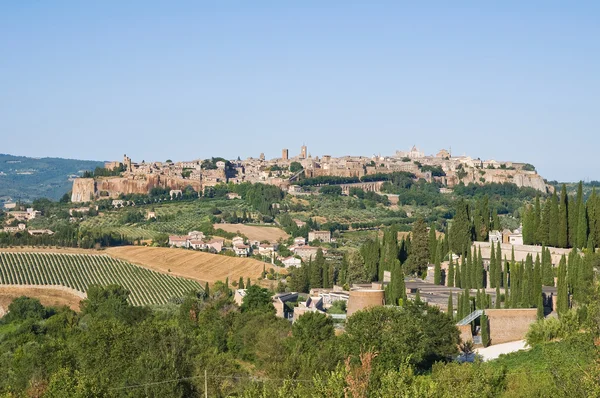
520, 178
86, 189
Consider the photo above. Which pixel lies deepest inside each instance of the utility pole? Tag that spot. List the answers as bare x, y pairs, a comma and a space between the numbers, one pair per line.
205, 384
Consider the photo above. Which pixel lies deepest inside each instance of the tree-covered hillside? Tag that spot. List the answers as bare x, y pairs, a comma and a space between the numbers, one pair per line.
23, 178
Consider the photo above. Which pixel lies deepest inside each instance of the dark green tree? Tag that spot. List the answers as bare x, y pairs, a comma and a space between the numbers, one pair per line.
563, 219
418, 258
257, 299
562, 300
461, 230
485, 330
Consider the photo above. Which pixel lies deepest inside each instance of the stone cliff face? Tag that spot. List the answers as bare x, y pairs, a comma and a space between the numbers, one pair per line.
86, 189
518, 177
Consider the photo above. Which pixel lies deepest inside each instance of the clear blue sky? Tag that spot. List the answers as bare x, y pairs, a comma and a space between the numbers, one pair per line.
514, 80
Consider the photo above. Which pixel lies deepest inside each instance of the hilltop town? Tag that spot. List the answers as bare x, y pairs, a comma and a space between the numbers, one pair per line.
128, 177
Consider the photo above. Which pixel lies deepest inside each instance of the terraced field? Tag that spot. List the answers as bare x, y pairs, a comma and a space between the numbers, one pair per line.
78, 271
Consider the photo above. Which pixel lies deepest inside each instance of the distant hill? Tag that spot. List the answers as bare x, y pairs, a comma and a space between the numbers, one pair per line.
23, 178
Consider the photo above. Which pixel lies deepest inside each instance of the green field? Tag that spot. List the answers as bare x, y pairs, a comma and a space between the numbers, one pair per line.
78, 271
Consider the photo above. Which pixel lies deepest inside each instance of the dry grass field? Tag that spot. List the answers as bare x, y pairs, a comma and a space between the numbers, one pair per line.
203, 267
272, 234
55, 297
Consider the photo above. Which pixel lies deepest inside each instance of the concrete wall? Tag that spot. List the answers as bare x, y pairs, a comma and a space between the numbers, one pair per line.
361, 299
521, 251
510, 324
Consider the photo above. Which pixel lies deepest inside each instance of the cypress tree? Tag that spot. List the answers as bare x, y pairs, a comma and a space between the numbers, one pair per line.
450, 310
247, 283
529, 293
464, 276
437, 274
206, 290
553, 224
241, 283
319, 266
466, 303
471, 269
562, 300
389, 250
537, 218
537, 281
433, 245
563, 217
418, 296
497, 297
450, 272
574, 206
572, 271
492, 267
461, 230
326, 275
485, 330
499, 276
481, 280
459, 307
418, 257
582, 226
457, 277
543, 231
540, 306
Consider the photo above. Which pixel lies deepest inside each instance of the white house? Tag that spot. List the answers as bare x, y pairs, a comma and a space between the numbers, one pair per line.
241, 250
291, 262
238, 240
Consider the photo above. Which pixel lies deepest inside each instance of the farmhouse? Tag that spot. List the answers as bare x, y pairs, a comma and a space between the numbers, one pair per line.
291, 262
179, 241
323, 236
306, 252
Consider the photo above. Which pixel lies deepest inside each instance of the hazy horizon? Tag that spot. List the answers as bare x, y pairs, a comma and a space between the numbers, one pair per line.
157, 80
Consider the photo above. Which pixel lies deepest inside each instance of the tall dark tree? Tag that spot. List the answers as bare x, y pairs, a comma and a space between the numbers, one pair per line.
437, 274
553, 223
418, 258
485, 330
543, 230
492, 266
461, 231
499, 261
370, 254
316, 271
562, 300
433, 245
450, 310
450, 276
582, 226
389, 250
563, 219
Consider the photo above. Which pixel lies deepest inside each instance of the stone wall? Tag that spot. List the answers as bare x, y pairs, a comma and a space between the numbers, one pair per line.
521, 251
510, 324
